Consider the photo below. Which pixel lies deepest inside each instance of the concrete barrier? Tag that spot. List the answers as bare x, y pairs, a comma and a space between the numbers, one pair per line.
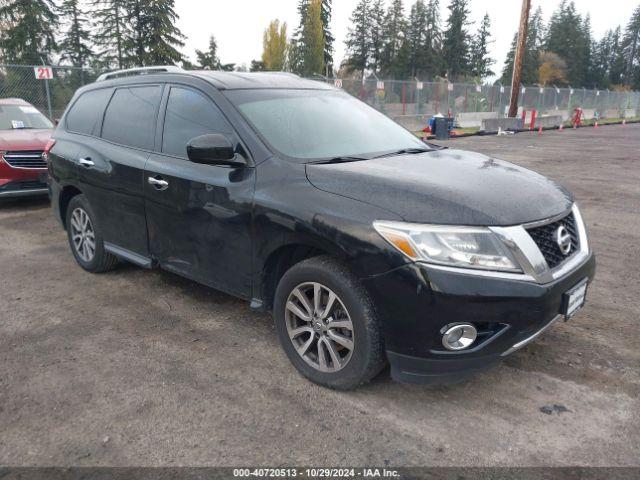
493, 124
588, 114
473, 119
413, 123
630, 113
612, 113
563, 113
548, 121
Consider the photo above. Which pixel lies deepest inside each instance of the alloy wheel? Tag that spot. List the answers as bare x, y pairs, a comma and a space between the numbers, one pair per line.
83, 235
319, 327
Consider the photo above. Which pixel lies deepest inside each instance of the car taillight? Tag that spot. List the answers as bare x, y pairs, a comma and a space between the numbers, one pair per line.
47, 149
49, 146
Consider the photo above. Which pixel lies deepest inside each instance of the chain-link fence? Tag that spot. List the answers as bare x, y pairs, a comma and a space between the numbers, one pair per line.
395, 98
50, 96
470, 101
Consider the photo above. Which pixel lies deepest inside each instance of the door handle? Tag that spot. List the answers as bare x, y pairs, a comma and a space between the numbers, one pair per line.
86, 162
158, 183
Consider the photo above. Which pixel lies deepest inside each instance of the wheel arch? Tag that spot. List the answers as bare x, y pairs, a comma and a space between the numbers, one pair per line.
282, 259
67, 193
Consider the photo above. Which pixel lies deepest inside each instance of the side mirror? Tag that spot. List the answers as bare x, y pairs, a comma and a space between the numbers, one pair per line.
213, 149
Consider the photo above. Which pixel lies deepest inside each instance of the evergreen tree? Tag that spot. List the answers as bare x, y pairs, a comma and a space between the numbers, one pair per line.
296, 46
394, 53
569, 36
601, 61
416, 38
631, 50
616, 69
208, 60
433, 39
456, 49
75, 45
155, 37
376, 36
313, 40
358, 44
533, 51
274, 54
305, 39
328, 36
608, 60
586, 47
31, 26
481, 62
111, 32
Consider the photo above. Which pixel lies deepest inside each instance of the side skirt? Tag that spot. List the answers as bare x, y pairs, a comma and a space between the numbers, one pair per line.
128, 255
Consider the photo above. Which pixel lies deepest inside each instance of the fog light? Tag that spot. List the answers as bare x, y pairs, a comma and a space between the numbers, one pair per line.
459, 337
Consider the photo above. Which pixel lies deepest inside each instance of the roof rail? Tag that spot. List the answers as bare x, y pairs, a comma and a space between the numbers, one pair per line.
130, 72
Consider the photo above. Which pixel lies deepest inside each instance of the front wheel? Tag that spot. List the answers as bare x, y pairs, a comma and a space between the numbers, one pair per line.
327, 325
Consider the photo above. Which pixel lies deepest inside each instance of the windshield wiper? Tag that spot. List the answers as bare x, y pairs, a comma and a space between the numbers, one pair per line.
344, 159
404, 151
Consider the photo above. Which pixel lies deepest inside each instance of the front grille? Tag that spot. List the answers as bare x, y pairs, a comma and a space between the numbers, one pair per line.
544, 236
25, 159
24, 185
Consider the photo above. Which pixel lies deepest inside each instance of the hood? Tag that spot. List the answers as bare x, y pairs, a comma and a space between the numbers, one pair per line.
446, 187
24, 139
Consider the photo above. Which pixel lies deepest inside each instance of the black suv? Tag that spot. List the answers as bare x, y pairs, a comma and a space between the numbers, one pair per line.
367, 244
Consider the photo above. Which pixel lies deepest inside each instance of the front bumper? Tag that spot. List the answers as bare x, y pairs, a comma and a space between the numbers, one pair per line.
415, 302
23, 189
22, 182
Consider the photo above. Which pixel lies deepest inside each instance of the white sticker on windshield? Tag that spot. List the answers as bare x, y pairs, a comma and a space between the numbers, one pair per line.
29, 109
17, 123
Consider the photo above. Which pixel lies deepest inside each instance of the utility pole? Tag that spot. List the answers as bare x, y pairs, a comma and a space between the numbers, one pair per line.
517, 63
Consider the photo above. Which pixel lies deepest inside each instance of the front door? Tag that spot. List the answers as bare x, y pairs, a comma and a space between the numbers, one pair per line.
198, 216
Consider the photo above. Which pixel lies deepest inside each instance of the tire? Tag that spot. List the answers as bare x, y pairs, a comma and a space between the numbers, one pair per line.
343, 368
95, 259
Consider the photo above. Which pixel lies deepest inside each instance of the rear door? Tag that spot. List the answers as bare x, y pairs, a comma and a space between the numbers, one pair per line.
198, 220
80, 125
111, 168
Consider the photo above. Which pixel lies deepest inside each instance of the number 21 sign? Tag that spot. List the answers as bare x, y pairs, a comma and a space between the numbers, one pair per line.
43, 73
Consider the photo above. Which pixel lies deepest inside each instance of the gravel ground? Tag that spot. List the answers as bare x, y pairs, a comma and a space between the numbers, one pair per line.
143, 368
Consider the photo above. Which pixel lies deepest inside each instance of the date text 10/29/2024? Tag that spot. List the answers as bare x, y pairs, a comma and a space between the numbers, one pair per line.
315, 473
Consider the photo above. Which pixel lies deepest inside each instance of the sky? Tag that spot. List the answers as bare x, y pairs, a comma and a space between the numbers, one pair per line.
238, 25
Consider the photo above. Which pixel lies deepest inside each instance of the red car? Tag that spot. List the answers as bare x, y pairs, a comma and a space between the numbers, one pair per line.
24, 135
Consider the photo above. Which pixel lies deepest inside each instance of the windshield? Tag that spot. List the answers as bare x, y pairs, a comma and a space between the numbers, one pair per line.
321, 124
16, 117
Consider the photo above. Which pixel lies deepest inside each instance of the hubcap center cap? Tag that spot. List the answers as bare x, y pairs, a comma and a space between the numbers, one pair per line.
318, 326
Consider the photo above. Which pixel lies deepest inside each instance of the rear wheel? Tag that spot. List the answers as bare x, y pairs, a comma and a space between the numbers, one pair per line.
85, 238
327, 325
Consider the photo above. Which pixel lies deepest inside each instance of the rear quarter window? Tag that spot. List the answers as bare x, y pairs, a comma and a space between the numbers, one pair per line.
130, 118
86, 113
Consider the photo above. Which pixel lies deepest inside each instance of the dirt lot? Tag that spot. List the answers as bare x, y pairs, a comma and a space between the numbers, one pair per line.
145, 368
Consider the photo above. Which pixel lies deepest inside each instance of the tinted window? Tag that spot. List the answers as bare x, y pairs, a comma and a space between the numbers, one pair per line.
131, 116
86, 113
189, 115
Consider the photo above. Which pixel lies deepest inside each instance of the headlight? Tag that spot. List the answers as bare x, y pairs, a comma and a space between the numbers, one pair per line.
464, 247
